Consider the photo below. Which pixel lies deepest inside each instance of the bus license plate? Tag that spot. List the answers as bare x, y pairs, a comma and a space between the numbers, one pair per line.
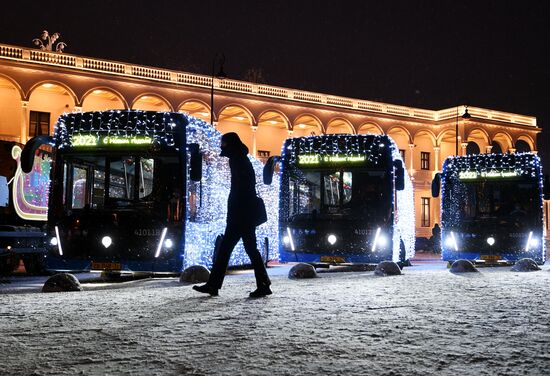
337, 259
106, 266
490, 257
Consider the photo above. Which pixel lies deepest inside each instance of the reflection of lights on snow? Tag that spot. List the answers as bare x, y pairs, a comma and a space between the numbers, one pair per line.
53, 241
490, 240
168, 243
331, 239
106, 241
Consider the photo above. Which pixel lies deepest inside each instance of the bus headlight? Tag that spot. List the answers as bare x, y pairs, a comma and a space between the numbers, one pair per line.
53, 241
106, 241
331, 239
490, 240
532, 241
450, 241
168, 243
286, 240
380, 240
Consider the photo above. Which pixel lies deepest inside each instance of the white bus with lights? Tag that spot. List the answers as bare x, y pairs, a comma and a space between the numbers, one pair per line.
491, 208
343, 199
136, 191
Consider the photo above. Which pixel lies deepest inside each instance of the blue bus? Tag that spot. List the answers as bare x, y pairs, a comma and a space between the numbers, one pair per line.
137, 191
491, 208
343, 199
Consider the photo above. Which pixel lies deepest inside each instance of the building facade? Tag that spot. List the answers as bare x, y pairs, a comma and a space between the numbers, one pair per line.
37, 86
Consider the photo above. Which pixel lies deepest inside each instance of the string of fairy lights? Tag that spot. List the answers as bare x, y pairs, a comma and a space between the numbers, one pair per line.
484, 167
208, 205
370, 150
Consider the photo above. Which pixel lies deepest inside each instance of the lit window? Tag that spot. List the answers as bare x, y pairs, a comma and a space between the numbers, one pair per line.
424, 160
425, 212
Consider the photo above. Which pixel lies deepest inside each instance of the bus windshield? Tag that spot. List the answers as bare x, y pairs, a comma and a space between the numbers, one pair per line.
350, 192
95, 182
510, 202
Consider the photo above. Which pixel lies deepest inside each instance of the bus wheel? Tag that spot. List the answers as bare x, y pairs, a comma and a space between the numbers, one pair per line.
33, 264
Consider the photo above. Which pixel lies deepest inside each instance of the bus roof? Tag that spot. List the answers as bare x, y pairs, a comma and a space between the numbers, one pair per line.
524, 164
370, 146
119, 127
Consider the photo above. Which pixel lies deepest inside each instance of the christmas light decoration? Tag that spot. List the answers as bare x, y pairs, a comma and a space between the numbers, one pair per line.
206, 199
30, 191
508, 170
354, 150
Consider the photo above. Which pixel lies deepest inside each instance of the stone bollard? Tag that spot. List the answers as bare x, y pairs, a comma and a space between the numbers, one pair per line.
386, 268
302, 270
195, 274
525, 265
62, 282
463, 266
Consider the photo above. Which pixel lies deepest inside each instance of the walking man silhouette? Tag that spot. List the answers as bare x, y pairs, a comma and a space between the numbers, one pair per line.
240, 220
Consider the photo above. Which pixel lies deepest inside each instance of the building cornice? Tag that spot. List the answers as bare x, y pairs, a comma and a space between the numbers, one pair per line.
186, 79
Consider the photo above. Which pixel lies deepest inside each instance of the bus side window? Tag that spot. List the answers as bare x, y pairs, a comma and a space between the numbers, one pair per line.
146, 174
79, 188
193, 199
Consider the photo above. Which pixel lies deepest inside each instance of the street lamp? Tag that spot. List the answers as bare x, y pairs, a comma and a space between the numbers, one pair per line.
220, 58
465, 116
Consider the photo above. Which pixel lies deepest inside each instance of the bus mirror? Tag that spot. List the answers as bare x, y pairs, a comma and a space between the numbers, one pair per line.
546, 187
436, 185
269, 168
399, 175
27, 155
195, 163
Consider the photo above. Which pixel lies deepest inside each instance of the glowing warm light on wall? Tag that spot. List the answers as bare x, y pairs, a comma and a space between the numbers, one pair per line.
47, 85
98, 91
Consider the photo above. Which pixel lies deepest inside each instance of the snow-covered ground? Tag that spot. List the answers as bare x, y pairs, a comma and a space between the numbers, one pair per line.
424, 321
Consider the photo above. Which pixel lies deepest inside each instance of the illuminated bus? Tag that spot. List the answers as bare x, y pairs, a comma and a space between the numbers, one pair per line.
344, 199
491, 208
136, 191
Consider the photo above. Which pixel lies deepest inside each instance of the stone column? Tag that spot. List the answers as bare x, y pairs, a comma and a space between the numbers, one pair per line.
254, 148
488, 149
436, 158
464, 145
512, 150
77, 109
24, 122
411, 157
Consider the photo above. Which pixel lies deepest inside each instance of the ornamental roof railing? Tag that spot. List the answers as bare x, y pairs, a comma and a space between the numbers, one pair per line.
82, 63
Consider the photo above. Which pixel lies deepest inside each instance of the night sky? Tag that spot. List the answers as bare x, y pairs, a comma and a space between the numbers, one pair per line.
430, 54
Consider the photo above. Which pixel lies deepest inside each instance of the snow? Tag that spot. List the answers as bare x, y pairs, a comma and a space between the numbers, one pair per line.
425, 321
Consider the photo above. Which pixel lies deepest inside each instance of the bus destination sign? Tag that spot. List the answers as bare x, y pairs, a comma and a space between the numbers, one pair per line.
316, 159
494, 174
84, 140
